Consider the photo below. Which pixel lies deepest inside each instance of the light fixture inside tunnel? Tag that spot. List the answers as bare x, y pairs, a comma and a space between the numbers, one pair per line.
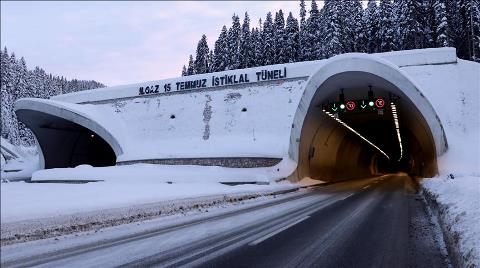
397, 128
355, 132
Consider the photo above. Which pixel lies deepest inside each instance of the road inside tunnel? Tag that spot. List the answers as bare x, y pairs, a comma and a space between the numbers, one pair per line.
347, 135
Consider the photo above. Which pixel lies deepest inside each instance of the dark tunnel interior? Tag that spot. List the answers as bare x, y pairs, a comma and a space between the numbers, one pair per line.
330, 151
65, 143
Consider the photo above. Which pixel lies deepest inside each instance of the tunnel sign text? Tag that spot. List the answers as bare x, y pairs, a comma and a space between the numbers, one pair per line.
215, 81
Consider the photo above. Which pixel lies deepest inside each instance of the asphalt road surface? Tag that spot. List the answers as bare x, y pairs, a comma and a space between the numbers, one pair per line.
376, 222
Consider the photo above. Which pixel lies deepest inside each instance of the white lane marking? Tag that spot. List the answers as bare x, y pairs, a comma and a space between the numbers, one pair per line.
366, 187
263, 238
347, 197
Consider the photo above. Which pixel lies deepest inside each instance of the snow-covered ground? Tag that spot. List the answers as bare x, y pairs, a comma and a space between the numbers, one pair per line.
166, 173
121, 194
17, 163
457, 203
27, 201
40, 210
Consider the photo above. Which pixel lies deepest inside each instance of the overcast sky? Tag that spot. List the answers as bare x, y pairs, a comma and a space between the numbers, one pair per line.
119, 42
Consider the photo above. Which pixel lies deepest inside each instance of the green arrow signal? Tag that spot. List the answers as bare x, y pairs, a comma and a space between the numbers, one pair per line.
363, 105
334, 108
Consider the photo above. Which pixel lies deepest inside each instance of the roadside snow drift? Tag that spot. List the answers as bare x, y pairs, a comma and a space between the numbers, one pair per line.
457, 202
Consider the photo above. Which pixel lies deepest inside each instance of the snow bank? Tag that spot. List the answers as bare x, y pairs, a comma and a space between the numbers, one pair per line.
458, 206
27, 201
167, 173
24, 162
19, 168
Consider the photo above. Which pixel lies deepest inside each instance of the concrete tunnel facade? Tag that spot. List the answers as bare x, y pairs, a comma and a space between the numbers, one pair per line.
263, 117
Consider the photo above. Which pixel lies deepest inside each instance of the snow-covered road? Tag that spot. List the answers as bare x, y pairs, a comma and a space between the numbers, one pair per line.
367, 209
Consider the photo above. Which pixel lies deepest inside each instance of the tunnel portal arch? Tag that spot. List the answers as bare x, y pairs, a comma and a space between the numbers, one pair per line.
66, 138
343, 68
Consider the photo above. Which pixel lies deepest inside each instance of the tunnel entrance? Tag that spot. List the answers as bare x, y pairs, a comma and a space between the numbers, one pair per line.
337, 143
65, 143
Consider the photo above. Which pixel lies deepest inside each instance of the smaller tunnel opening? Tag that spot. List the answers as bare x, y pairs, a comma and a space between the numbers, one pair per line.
337, 143
65, 143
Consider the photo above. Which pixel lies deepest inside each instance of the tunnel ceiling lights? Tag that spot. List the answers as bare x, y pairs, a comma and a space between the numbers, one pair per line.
397, 128
358, 134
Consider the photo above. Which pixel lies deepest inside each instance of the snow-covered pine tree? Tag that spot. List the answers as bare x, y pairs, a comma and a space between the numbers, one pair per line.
333, 31
73, 84
191, 66
386, 31
352, 27
475, 29
303, 12
396, 18
22, 76
58, 86
279, 35
6, 97
11, 78
302, 34
21, 90
233, 44
410, 30
468, 46
245, 46
38, 76
184, 70
253, 46
291, 43
201, 60
371, 20
441, 20
210, 61
258, 45
428, 23
454, 22
268, 36
311, 38
220, 52
64, 84
49, 90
